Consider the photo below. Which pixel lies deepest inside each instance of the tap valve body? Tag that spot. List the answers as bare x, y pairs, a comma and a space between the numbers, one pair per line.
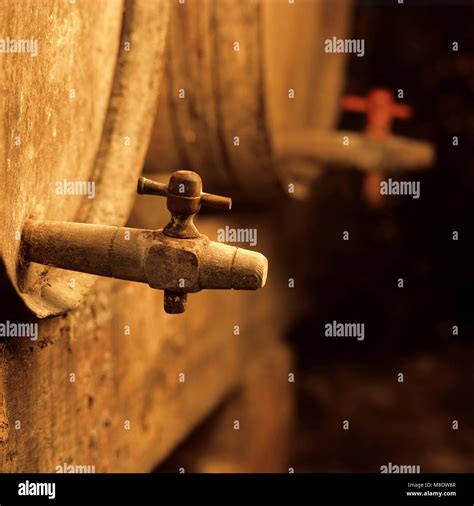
176, 259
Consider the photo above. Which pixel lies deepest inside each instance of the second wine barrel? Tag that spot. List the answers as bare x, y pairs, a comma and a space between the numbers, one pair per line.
237, 72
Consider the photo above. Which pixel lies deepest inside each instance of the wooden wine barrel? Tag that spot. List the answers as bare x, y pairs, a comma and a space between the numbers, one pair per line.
77, 106
238, 73
116, 384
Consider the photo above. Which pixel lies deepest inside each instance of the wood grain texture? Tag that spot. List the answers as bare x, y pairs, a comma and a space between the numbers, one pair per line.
244, 93
264, 408
71, 108
135, 378
298, 61
88, 392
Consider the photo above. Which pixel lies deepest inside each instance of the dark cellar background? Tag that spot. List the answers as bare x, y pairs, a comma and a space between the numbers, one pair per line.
408, 329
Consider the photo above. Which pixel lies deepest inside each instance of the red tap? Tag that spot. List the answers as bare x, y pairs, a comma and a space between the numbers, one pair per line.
381, 109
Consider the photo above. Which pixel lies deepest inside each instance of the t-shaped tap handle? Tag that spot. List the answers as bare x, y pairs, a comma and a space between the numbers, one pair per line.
184, 198
380, 108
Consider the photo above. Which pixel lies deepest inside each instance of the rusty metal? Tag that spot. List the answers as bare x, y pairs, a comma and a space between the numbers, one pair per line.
176, 259
184, 198
175, 302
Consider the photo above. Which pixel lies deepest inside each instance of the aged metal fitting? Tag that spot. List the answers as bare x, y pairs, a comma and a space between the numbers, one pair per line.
184, 197
177, 259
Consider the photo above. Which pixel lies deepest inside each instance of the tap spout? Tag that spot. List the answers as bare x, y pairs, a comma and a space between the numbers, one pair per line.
178, 266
